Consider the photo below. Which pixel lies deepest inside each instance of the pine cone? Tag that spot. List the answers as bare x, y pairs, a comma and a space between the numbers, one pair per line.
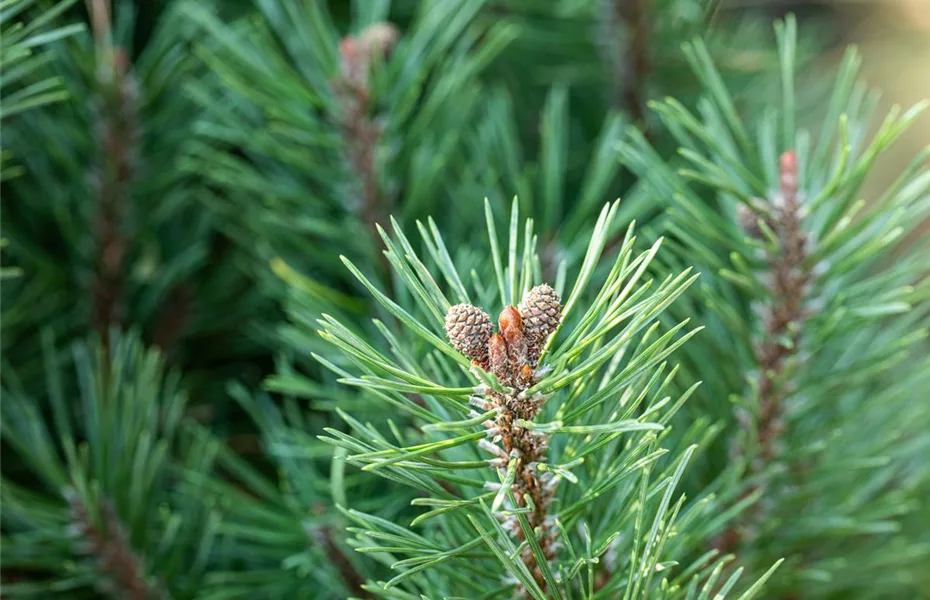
469, 329
541, 310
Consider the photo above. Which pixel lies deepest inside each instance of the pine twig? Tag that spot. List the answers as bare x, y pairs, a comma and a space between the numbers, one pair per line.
326, 537
627, 38
362, 134
783, 321
109, 546
173, 318
512, 356
115, 172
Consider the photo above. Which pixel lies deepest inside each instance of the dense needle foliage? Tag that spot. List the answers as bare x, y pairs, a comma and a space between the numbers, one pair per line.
323, 300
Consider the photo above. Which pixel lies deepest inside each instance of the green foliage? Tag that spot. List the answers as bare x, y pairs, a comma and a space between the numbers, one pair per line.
105, 224
283, 538
379, 127
22, 54
92, 494
608, 418
852, 424
205, 179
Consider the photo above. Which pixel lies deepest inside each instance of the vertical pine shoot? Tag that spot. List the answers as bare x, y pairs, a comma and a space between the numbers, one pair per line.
535, 448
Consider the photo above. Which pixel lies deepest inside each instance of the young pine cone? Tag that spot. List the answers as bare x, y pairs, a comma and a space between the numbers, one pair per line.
469, 329
541, 310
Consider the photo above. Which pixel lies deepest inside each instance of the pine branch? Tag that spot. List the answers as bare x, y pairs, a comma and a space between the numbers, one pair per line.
783, 320
362, 133
813, 297
632, 62
114, 177
110, 548
546, 404
121, 413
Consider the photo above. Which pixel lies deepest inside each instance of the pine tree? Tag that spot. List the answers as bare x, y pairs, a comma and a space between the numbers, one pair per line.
711, 388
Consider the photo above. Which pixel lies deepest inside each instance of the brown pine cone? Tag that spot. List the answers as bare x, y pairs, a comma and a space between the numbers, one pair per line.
469, 329
541, 310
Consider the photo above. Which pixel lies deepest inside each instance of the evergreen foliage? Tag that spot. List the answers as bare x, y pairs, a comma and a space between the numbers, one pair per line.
283, 537
22, 54
817, 310
560, 465
106, 224
713, 387
95, 502
380, 113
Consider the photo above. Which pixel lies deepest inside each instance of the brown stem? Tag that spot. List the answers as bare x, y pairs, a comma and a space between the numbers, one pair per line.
115, 176
349, 575
789, 281
631, 60
353, 580
110, 546
361, 133
528, 448
172, 319
512, 359
602, 578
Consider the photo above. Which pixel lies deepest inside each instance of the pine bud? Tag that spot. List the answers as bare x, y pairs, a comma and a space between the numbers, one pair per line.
509, 320
469, 329
788, 174
498, 360
511, 327
357, 52
379, 38
350, 62
542, 312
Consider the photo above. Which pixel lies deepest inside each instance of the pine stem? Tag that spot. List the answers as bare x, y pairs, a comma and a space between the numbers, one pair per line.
327, 538
627, 38
110, 547
362, 136
360, 132
783, 321
513, 355
114, 179
528, 448
172, 319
